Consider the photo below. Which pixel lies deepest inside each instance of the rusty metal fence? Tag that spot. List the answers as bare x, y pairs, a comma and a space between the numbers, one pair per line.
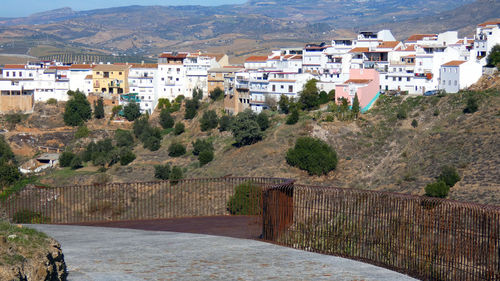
431, 239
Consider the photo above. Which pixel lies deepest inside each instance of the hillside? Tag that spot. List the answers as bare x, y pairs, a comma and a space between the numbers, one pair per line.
376, 152
239, 30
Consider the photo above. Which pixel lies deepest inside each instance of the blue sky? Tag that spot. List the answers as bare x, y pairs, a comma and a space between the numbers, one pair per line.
20, 8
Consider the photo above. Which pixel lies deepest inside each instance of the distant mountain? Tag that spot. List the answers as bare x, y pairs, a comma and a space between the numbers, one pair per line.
237, 29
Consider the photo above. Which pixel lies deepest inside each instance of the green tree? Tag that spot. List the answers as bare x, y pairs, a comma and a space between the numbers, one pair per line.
438, 189
77, 109
6, 154
141, 125
9, 173
331, 95
309, 97
449, 175
472, 104
65, 158
225, 123
99, 109
82, 132
132, 111
176, 174
284, 104
216, 94
163, 103
246, 200
355, 106
209, 120
245, 129
176, 150
293, 118
323, 97
116, 109
312, 155
191, 108
76, 163
126, 156
162, 172
124, 138
197, 94
205, 157
263, 121
201, 145
166, 120
493, 58
414, 123
179, 128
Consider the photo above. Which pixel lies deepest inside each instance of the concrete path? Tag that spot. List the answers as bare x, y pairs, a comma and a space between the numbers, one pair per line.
109, 254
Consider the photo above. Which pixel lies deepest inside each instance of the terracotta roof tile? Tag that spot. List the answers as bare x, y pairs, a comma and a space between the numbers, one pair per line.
256, 59
454, 63
416, 37
495, 22
14, 66
359, 50
81, 66
389, 44
358, 81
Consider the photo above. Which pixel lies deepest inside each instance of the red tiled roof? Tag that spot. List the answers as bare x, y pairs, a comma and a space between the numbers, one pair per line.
81, 66
59, 67
144, 65
495, 22
14, 66
454, 63
389, 44
409, 48
358, 81
256, 59
88, 77
359, 50
469, 41
275, 58
171, 56
296, 57
416, 37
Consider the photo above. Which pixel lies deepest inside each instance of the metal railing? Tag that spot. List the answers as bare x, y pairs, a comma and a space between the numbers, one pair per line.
428, 238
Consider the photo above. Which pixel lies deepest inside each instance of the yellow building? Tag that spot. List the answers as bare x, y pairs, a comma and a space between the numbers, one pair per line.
110, 78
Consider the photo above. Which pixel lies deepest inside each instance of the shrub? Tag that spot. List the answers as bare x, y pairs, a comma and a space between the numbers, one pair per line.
163, 103
76, 163
166, 120
312, 155
293, 118
202, 145
52, 101
65, 159
126, 156
263, 121
284, 104
402, 113
153, 140
493, 58
162, 172
309, 97
82, 132
436, 112
99, 109
116, 109
132, 111
140, 125
191, 108
245, 129
206, 156
216, 94
176, 174
414, 123
27, 216
197, 94
438, 189
449, 176
77, 109
246, 200
179, 129
472, 105
209, 120
124, 138
176, 150
9, 174
355, 106
225, 123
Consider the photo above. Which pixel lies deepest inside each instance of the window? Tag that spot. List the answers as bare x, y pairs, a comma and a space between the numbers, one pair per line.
7, 74
444, 82
119, 73
399, 79
20, 74
455, 82
393, 78
386, 77
290, 89
274, 88
282, 86
408, 79
449, 82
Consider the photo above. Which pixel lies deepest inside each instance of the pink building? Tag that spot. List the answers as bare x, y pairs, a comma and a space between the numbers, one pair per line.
365, 83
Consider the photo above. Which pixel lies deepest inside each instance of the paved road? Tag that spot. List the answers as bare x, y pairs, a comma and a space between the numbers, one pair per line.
109, 254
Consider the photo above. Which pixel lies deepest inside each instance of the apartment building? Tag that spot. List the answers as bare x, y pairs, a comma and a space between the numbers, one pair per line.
459, 74
141, 80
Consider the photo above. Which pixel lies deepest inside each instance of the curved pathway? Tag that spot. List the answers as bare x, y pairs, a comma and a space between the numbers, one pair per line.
109, 254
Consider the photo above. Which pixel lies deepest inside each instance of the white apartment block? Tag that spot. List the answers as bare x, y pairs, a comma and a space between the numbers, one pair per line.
487, 36
459, 74
142, 82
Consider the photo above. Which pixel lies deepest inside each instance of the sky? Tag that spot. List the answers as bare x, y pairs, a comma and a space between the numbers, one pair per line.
21, 8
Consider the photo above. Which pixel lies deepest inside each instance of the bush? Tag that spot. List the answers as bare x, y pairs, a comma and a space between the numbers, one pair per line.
176, 174
493, 58
9, 174
163, 103
151, 139
65, 159
141, 125
449, 176
438, 189
124, 138
99, 109
132, 111
27, 216
436, 112
309, 97
402, 113
245, 129
293, 118
206, 156
216, 94
162, 172
414, 123
76, 163
52, 101
472, 105
176, 150
202, 145
116, 109
312, 155
179, 129
225, 123
191, 108
263, 121
209, 120
82, 132
77, 109
197, 94
126, 156
284, 104
246, 200
166, 120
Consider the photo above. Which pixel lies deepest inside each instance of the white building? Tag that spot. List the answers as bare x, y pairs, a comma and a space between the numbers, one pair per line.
77, 75
487, 36
458, 74
171, 81
142, 80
